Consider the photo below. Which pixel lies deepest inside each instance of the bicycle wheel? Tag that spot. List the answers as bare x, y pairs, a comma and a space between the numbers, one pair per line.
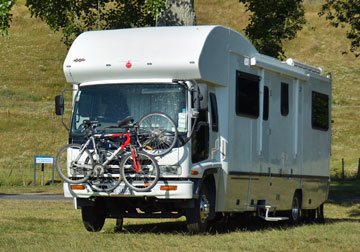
104, 179
139, 171
104, 184
157, 133
73, 166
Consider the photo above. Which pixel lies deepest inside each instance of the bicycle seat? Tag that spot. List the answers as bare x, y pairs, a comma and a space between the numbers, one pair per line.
126, 121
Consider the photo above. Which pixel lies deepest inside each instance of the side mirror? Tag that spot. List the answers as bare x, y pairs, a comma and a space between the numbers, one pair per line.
203, 97
200, 97
59, 105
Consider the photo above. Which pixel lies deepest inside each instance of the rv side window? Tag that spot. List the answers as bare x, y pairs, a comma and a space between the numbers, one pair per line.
214, 112
266, 104
284, 99
320, 111
247, 95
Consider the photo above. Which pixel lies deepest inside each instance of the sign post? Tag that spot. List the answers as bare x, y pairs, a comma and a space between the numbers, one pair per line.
43, 160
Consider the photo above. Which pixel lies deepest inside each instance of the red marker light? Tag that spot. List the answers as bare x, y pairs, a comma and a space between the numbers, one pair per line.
128, 64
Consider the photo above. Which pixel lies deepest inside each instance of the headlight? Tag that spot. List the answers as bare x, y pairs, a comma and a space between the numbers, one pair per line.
166, 170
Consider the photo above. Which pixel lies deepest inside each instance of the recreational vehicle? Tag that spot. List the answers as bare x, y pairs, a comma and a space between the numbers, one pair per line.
254, 133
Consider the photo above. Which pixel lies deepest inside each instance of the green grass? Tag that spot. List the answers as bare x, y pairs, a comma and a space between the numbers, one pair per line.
56, 226
31, 75
347, 188
57, 188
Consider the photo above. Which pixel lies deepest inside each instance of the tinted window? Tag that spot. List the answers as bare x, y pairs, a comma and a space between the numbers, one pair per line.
284, 99
320, 111
266, 104
247, 95
214, 112
200, 138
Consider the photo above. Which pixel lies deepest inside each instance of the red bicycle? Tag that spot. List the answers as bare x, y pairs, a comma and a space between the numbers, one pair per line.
106, 159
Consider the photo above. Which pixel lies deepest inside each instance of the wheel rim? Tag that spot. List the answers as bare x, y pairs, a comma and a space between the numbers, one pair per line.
204, 208
157, 134
295, 210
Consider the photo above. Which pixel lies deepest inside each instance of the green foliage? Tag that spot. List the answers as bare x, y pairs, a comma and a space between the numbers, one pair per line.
342, 12
154, 7
5, 16
73, 17
272, 22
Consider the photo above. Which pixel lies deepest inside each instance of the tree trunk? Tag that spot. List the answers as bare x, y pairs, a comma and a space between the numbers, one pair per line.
177, 13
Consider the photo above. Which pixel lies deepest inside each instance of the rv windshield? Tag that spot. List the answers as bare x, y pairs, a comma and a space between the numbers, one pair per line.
109, 104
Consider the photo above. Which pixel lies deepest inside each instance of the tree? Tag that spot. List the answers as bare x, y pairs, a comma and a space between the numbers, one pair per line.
5, 15
177, 12
343, 13
73, 17
272, 22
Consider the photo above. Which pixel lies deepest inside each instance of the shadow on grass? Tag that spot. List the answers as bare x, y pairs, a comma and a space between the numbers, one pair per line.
331, 220
221, 227
345, 189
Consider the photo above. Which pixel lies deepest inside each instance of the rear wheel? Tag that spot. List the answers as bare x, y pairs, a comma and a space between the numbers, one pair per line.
294, 214
157, 133
308, 215
139, 171
320, 218
73, 166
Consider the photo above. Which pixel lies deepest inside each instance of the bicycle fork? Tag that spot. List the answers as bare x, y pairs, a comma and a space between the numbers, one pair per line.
136, 161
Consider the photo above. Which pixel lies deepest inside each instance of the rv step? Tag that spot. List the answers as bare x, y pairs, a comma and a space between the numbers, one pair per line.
267, 209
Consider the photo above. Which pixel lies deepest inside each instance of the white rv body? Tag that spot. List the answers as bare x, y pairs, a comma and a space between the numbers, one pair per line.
253, 161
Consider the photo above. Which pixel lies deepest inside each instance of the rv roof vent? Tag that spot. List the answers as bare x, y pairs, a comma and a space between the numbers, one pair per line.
292, 62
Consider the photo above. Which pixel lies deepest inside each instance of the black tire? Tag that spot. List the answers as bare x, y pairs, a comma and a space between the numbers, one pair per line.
157, 133
197, 218
79, 171
144, 179
93, 217
308, 215
294, 213
320, 218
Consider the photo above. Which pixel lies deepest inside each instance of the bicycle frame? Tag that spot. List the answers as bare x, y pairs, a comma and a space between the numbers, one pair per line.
122, 147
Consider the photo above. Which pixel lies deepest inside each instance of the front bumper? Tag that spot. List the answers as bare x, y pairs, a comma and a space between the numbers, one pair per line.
184, 191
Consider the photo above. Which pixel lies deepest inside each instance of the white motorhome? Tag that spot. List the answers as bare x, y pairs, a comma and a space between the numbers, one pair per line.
262, 142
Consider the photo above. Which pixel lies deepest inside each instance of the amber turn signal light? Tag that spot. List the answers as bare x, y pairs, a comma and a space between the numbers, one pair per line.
77, 187
168, 188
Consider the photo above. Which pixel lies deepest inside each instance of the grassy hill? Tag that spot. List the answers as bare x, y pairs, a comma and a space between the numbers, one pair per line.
31, 59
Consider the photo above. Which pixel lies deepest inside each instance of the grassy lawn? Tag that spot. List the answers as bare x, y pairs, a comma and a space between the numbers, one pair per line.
347, 188
56, 226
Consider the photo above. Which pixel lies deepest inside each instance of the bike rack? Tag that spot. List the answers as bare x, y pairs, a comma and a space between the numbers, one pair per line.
43, 160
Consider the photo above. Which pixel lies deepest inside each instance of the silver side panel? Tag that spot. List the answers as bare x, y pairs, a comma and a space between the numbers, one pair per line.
244, 191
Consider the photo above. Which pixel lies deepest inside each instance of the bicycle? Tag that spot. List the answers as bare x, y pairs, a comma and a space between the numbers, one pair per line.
155, 134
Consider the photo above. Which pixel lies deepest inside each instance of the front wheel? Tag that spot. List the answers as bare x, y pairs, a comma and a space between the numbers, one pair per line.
197, 218
157, 133
139, 171
93, 217
73, 164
